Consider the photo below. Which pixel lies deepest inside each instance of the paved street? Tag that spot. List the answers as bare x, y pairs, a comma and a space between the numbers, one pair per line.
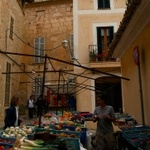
26, 119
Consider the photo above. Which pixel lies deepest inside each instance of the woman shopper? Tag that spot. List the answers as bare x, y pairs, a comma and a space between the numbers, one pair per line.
12, 117
30, 106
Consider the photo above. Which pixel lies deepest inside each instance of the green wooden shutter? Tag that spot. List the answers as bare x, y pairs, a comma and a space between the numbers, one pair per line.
107, 4
100, 4
99, 40
103, 4
111, 34
42, 44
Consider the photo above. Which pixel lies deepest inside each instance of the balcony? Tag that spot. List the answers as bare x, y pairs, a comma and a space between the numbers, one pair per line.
101, 60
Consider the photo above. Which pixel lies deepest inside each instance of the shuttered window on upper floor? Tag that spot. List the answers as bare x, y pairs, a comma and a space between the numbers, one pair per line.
11, 27
104, 38
39, 46
103, 4
7, 84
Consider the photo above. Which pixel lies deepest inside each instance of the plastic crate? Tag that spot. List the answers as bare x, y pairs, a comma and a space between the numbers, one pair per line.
142, 128
82, 133
71, 128
40, 131
6, 146
72, 143
138, 138
8, 140
83, 136
51, 131
68, 133
52, 126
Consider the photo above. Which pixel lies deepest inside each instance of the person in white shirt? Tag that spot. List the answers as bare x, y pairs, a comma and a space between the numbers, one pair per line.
30, 106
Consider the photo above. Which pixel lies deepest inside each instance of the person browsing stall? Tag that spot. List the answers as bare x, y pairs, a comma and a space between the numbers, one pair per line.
12, 117
104, 116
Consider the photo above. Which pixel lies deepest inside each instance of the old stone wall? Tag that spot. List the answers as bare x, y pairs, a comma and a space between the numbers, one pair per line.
52, 20
10, 9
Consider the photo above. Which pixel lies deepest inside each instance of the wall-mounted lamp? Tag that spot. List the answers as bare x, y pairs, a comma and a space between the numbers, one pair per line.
65, 43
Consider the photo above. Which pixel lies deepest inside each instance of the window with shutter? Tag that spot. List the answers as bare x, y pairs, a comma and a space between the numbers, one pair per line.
39, 45
11, 27
7, 84
104, 38
103, 4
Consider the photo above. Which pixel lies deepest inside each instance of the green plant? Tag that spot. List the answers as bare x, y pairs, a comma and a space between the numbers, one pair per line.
93, 53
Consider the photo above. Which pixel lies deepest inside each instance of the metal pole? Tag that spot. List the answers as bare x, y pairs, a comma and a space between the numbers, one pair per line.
136, 57
58, 93
80, 66
141, 95
42, 92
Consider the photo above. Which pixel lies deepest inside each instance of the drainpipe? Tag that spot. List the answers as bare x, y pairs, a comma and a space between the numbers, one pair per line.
137, 62
141, 95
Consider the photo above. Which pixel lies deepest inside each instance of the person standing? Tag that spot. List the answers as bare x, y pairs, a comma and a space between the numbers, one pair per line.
47, 103
72, 103
12, 117
30, 106
39, 105
104, 116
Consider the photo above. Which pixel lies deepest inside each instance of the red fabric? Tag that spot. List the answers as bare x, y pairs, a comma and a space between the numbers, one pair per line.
63, 100
48, 96
55, 100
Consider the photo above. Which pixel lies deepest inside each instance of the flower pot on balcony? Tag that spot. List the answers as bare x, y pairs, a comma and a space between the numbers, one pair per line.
92, 55
92, 59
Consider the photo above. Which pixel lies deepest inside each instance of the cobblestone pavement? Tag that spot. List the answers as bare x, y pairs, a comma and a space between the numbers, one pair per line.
26, 119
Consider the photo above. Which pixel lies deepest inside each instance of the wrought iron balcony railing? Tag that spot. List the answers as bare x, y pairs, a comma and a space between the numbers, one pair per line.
96, 56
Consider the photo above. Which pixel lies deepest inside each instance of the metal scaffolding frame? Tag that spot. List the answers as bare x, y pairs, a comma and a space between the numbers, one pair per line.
60, 71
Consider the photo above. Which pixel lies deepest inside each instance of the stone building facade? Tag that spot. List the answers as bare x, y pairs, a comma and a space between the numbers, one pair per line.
20, 25
51, 22
39, 28
11, 27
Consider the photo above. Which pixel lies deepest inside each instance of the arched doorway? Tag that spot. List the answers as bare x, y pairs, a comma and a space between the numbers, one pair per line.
111, 86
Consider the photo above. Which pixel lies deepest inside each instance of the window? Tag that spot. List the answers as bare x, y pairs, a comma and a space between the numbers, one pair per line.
39, 45
7, 84
104, 38
11, 27
102, 4
38, 87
